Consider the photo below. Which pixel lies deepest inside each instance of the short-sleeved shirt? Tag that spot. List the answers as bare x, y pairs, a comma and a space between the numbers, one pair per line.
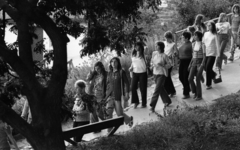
210, 42
139, 65
223, 27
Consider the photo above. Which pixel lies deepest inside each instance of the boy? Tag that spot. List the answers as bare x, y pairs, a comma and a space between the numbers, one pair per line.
84, 105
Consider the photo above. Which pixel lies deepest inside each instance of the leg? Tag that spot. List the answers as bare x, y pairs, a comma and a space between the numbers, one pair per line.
223, 39
233, 45
143, 88
168, 85
198, 83
180, 72
77, 124
134, 86
119, 112
191, 76
162, 92
155, 93
186, 85
209, 69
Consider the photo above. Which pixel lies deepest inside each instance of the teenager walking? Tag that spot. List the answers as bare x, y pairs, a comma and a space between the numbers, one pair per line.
223, 32
117, 88
196, 66
235, 24
171, 51
160, 63
185, 56
211, 46
139, 75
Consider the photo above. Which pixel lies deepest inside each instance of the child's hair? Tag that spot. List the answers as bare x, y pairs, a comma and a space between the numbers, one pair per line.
80, 83
221, 16
213, 29
187, 35
168, 35
199, 34
198, 19
191, 29
161, 46
236, 6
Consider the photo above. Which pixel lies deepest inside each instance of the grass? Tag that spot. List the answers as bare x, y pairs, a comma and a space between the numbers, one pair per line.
214, 127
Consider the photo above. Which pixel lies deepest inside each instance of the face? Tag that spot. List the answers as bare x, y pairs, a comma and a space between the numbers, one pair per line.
97, 69
196, 37
225, 19
184, 39
114, 63
169, 40
209, 26
137, 48
80, 91
235, 10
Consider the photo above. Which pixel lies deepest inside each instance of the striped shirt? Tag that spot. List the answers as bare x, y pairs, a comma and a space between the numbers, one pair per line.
235, 23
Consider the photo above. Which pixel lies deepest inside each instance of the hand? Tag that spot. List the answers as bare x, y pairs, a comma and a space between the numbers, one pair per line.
130, 69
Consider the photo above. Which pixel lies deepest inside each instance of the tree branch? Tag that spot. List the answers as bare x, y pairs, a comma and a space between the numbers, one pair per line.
15, 121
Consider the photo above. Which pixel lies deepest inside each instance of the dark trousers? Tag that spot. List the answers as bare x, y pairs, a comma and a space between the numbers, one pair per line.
223, 40
140, 78
78, 138
159, 90
183, 75
168, 85
210, 74
196, 88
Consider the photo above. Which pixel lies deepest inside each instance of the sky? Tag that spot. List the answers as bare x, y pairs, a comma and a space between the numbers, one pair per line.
73, 47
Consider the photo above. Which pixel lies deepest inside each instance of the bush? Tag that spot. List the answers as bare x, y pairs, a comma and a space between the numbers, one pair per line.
214, 127
188, 9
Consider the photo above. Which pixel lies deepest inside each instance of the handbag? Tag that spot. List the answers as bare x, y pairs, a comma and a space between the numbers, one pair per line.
219, 79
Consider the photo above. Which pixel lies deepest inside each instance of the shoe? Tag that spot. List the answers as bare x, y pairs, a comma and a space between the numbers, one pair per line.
152, 109
198, 98
195, 96
143, 106
167, 104
230, 58
130, 124
136, 105
186, 96
209, 87
225, 61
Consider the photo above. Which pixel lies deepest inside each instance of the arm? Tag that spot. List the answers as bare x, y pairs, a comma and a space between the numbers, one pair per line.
131, 68
90, 76
204, 55
217, 43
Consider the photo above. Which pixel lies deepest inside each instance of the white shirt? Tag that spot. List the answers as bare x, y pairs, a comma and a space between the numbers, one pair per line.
139, 65
162, 59
169, 50
223, 27
210, 42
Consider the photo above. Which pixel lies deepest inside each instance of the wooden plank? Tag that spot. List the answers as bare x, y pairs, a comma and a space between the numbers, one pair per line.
71, 142
93, 127
114, 129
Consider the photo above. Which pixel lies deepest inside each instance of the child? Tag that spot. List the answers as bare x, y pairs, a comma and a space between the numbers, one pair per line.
84, 105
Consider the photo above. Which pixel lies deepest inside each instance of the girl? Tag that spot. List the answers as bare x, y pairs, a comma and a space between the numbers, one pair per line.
211, 47
98, 81
185, 56
160, 63
235, 23
196, 66
171, 51
117, 88
223, 30
199, 23
139, 75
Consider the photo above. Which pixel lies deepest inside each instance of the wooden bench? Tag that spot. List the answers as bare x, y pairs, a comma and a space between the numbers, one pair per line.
115, 123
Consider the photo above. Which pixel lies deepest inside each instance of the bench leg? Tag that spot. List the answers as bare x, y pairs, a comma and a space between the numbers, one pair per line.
114, 129
71, 142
